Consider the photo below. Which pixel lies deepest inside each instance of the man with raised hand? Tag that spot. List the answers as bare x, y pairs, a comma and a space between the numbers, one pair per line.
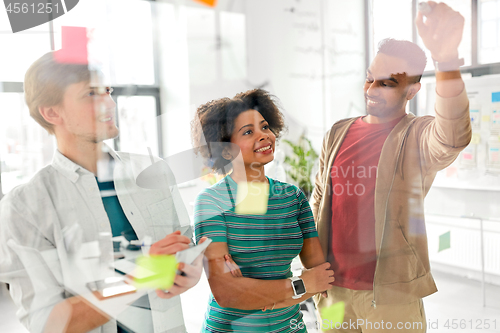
71, 209
374, 173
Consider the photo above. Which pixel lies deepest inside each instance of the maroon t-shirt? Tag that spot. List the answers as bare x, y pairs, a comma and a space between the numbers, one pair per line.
353, 174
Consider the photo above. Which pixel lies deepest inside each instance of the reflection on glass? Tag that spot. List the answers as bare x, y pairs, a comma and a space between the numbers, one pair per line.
20, 50
202, 45
464, 50
25, 147
391, 19
233, 45
121, 36
489, 31
138, 124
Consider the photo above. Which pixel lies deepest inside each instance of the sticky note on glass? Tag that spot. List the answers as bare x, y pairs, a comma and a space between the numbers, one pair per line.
444, 241
155, 271
476, 138
74, 46
334, 314
210, 3
252, 198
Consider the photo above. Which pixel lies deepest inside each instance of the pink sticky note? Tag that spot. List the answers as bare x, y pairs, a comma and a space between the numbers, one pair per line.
467, 156
74, 46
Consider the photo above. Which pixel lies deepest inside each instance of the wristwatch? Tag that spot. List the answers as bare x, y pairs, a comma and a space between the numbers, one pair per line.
448, 66
298, 286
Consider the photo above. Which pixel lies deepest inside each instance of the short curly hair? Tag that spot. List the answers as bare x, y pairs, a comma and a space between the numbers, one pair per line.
214, 123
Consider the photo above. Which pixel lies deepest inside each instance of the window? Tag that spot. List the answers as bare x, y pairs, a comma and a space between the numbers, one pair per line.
128, 57
233, 45
489, 31
465, 48
21, 49
390, 20
126, 49
202, 45
480, 41
25, 147
138, 124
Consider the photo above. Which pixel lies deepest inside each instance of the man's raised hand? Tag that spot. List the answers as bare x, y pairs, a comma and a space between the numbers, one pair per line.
441, 32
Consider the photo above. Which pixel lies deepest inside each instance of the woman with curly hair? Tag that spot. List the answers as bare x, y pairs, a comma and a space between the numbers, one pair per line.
249, 259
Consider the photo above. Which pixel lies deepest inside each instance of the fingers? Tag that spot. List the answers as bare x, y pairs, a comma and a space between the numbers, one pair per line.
171, 244
202, 239
326, 265
191, 271
198, 261
233, 267
419, 22
432, 4
164, 294
183, 283
172, 292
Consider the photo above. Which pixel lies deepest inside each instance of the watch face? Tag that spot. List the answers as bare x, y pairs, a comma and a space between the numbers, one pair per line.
299, 287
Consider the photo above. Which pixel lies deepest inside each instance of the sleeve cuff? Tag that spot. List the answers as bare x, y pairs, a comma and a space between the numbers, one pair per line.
452, 108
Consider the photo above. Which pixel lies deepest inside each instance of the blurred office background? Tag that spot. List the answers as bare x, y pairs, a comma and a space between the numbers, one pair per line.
165, 58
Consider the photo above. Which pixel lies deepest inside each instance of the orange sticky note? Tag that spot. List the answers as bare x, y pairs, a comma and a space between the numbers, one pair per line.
211, 3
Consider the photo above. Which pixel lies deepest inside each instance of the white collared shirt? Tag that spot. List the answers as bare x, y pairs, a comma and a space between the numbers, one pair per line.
43, 223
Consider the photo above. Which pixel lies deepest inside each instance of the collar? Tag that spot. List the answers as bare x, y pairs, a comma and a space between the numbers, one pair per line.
70, 169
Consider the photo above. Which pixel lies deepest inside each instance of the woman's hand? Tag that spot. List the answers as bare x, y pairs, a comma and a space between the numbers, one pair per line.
318, 279
233, 267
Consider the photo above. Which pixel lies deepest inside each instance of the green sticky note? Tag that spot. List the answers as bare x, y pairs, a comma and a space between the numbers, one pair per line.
334, 314
155, 271
252, 198
444, 241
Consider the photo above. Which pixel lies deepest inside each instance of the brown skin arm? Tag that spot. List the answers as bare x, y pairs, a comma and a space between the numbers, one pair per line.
310, 256
232, 290
240, 292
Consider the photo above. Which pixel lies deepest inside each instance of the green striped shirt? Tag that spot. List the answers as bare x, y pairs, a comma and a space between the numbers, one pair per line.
263, 246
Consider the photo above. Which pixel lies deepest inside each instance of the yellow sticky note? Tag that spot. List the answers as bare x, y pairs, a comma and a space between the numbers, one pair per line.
485, 119
476, 138
333, 314
252, 198
155, 271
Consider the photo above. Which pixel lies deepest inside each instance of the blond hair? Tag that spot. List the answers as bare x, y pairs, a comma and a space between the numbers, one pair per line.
45, 83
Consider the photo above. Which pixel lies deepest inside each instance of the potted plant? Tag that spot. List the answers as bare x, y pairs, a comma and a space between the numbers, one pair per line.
301, 163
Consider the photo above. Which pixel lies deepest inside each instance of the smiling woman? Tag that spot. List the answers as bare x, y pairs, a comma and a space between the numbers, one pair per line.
249, 258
